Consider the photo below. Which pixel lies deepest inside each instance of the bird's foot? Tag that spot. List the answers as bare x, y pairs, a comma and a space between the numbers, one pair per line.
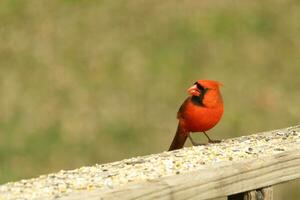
214, 141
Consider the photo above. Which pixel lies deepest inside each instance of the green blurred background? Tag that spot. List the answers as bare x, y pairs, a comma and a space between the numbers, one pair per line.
85, 82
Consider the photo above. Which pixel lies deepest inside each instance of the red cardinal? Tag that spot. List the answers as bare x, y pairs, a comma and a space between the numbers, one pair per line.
200, 112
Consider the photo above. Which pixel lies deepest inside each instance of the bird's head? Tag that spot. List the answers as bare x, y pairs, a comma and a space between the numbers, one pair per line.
201, 86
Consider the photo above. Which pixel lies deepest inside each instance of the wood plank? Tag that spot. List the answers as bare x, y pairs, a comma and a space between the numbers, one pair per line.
217, 180
258, 194
234, 166
267, 193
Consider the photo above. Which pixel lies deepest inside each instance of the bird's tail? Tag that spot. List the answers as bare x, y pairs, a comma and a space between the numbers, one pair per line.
179, 139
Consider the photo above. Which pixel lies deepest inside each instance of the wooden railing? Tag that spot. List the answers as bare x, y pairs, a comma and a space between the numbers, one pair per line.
241, 168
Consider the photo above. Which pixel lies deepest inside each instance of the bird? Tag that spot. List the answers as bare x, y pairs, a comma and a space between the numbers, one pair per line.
200, 112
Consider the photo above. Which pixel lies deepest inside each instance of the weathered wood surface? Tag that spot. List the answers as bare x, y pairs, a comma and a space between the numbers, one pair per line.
258, 194
216, 170
267, 193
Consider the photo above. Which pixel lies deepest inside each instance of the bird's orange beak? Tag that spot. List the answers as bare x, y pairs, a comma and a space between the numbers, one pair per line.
194, 91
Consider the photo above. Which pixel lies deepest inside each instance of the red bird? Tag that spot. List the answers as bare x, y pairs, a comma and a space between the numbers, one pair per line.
201, 111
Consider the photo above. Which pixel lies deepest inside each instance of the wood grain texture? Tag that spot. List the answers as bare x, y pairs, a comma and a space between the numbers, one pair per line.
234, 166
218, 180
258, 194
267, 193
210, 183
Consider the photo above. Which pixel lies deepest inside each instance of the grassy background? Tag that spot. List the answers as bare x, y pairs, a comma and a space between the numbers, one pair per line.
85, 82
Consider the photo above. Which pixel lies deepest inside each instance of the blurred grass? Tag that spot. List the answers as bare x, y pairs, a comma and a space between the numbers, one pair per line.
84, 82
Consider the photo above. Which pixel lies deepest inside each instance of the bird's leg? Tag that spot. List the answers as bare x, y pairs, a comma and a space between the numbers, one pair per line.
193, 142
210, 140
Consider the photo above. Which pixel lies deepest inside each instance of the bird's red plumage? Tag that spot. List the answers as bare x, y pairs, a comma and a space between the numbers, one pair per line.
200, 112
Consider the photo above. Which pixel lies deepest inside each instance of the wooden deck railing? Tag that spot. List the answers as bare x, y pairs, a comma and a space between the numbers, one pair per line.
241, 168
